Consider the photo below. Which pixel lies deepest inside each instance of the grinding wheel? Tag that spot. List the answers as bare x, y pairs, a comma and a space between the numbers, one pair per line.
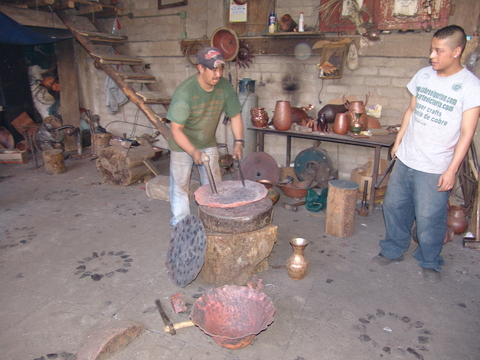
316, 163
237, 220
186, 252
260, 166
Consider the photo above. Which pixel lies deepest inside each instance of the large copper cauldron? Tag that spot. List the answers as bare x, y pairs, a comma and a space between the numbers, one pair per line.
232, 315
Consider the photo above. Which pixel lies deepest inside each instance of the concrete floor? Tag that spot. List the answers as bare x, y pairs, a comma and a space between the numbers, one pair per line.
58, 230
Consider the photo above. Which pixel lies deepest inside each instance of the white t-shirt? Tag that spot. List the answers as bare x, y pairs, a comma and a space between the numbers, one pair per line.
434, 129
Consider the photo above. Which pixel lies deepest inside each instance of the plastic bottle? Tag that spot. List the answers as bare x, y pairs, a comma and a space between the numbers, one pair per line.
272, 22
301, 23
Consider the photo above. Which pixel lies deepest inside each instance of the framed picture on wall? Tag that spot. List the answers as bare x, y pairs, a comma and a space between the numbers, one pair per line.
165, 4
332, 61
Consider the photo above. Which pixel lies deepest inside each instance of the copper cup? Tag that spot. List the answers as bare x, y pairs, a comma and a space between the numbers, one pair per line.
341, 123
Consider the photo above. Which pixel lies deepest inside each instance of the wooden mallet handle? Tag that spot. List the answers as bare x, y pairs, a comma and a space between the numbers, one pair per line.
179, 325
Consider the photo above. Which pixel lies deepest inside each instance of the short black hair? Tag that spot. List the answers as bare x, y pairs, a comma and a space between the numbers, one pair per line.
455, 34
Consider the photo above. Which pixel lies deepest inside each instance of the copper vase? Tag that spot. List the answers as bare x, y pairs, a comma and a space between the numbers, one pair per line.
282, 118
297, 264
342, 123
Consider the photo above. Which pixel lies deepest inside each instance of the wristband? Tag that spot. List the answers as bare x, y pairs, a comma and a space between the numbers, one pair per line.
239, 141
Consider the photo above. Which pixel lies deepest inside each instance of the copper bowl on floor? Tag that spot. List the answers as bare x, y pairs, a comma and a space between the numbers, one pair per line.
232, 315
292, 190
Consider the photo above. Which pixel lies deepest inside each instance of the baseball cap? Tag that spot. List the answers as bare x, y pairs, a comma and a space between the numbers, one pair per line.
210, 57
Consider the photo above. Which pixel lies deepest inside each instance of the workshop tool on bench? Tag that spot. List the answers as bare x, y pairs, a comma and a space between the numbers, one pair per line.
385, 173
211, 180
363, 211
166, 320
293, 207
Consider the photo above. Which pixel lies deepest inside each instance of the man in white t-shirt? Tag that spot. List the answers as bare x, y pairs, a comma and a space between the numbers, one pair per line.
434, 137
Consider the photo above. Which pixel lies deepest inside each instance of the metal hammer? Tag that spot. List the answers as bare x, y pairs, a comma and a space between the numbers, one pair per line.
211, 180
166, 320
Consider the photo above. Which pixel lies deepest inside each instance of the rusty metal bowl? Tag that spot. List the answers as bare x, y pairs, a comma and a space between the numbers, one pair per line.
291, 190
232, 315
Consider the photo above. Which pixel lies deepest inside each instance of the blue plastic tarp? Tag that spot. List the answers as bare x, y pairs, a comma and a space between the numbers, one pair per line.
11, 32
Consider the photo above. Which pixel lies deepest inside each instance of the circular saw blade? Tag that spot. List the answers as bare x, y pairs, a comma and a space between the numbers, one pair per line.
186, 253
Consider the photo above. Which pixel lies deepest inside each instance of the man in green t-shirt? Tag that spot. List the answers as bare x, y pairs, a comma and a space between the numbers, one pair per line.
194, 112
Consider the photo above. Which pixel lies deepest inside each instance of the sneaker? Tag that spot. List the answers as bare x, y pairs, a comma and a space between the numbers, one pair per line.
382, 260
431, 275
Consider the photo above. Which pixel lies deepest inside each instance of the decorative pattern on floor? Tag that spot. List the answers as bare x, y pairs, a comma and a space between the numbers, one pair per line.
17, 236
103, 264
395, 334
60, 195
54, 356
131, 209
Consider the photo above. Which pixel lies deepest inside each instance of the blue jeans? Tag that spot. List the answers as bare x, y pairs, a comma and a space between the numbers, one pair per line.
180, 172
413, 196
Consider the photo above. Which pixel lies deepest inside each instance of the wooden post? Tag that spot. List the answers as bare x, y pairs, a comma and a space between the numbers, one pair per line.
99, 141
341, 204
67, 75
54, 163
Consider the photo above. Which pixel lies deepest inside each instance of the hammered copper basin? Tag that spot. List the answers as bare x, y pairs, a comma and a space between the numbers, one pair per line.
232, 315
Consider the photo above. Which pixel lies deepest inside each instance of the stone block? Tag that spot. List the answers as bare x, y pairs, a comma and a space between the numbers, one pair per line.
104, 342
159, 188
234, 258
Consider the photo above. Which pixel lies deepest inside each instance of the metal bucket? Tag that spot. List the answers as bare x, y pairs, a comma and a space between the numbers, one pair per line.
246, 85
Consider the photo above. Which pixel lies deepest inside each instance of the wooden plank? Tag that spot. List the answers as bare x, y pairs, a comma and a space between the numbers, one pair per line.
152, 167
137, 78
103, 38
152, 97
117, 59
269, 45
67, 76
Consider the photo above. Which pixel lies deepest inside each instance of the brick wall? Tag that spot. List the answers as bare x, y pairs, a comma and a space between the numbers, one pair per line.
384, 69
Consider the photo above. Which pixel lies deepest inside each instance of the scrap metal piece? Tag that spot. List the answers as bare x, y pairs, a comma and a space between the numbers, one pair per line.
186, 252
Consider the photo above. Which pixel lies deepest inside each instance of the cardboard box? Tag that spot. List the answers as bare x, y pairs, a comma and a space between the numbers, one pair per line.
364, 172
13, 156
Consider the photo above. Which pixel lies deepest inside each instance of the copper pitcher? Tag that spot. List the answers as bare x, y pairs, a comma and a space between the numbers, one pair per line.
358, 107
282, 117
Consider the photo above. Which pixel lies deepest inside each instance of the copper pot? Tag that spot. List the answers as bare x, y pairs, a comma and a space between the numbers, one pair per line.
457, 219
259, 117
282, 118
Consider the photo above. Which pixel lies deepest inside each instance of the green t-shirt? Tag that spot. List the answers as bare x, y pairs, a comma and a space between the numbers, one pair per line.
199, 111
